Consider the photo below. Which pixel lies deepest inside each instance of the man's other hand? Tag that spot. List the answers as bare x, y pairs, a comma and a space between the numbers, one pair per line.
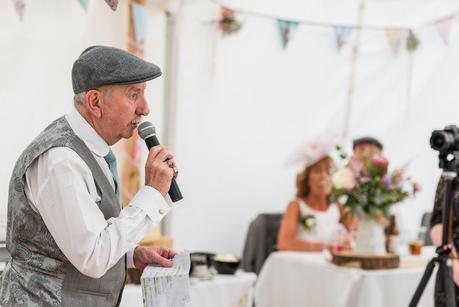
144, 256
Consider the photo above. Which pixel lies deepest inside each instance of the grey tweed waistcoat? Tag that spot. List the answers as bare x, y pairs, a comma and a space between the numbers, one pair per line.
38, 273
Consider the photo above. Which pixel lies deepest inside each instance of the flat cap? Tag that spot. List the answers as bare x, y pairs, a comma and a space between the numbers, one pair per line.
102, 65
367, 140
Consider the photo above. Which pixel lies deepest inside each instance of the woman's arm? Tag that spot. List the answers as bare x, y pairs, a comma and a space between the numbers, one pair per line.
286, 240
436, 234
438, 204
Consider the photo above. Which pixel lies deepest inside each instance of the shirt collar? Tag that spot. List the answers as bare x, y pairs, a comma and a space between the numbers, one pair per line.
87, 133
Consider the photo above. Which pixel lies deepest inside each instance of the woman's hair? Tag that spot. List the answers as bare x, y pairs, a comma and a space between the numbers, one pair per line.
302, 179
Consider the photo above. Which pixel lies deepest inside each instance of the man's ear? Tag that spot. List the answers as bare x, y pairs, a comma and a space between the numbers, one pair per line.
93, 101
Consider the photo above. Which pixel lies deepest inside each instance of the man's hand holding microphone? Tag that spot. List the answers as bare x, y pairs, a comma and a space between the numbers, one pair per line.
160, 173
160, 170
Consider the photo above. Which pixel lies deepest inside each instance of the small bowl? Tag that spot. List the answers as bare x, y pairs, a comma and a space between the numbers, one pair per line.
226, 265
201, 258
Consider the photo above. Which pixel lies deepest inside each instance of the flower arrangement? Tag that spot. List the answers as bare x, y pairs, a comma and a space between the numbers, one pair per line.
368, 187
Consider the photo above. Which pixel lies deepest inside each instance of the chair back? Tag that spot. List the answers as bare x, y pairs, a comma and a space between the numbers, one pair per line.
425, 227
261, 240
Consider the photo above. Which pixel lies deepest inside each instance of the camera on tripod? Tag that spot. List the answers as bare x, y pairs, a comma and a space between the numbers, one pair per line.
446, 141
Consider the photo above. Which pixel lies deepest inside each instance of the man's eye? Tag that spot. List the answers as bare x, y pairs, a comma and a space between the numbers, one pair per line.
133, 96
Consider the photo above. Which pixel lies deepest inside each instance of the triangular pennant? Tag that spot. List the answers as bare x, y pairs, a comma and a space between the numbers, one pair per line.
84, 4
444, 28
286, 28
394, 38
139, 17
113, 4
19, 5
342, 34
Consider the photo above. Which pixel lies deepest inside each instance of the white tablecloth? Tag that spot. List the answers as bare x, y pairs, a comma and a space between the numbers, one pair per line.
295, 279
222, 291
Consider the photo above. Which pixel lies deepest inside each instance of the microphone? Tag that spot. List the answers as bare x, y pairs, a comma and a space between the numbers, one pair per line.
148, 133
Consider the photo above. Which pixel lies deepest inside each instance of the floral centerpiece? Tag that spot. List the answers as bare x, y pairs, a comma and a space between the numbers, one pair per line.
367, 189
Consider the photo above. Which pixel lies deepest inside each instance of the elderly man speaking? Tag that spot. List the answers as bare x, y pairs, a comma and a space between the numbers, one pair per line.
69, 239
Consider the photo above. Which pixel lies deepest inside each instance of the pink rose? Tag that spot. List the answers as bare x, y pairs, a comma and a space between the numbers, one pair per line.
380, 162
416, 187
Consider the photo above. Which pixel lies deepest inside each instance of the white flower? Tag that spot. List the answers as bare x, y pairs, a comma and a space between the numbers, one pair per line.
309, 222
344, 179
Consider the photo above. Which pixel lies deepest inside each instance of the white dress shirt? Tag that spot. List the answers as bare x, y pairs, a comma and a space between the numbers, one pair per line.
60, 186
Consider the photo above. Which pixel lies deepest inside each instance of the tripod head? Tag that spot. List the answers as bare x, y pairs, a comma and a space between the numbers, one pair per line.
449, 161
446, 141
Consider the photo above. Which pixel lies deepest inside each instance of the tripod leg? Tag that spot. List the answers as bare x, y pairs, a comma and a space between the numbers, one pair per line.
445, 295
422, 284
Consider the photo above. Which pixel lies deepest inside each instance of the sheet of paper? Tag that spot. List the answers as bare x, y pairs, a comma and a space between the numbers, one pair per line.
167, 287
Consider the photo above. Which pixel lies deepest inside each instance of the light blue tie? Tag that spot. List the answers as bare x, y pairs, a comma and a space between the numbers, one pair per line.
111, 161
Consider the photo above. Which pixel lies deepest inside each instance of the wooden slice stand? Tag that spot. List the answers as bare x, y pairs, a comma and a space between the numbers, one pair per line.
366, 262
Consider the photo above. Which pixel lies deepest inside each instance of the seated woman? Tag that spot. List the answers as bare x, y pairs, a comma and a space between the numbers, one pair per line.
311, 220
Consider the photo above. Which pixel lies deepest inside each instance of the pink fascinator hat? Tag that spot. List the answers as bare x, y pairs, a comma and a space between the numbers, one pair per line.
314, 150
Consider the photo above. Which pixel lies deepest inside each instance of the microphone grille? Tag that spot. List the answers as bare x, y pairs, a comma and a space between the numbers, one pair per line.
146, 129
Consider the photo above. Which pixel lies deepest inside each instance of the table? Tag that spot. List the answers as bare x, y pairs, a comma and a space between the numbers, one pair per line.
222, 291
295, 279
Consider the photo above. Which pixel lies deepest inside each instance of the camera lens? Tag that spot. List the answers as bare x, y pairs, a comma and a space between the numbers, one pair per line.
437, 142
444, 140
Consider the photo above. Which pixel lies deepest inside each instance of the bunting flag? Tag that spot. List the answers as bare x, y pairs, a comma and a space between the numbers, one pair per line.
137, 30
444, 28
113, 4
84, 4
343, 35
286, 28
139, 16
394, 38
19, 5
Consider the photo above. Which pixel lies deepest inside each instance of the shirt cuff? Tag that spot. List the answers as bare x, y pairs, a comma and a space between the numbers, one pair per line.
149, 200
130, 258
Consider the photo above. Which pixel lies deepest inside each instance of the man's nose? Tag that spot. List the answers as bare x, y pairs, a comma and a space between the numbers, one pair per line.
142, 108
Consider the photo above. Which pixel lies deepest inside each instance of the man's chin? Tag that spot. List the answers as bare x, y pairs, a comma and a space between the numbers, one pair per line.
128, 134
